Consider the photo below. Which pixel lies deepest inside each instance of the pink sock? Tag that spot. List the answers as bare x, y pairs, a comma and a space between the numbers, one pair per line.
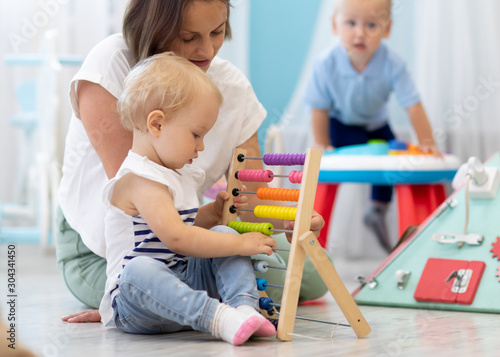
233, 326
266, 328
246, 330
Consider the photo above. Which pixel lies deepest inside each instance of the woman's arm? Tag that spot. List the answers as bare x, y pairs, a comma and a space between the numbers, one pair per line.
101, 121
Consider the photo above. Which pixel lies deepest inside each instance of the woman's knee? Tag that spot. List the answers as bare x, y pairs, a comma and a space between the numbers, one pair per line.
223, 229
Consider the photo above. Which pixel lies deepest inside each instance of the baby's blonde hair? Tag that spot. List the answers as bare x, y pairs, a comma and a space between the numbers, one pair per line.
162, 82
339, 2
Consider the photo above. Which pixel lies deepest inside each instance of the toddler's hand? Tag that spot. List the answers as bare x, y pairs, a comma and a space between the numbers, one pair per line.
257, 243
222, 196
323, 147
239, 201
430, 149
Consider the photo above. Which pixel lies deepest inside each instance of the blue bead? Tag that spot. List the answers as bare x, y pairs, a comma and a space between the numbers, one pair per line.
261, 284
265, 304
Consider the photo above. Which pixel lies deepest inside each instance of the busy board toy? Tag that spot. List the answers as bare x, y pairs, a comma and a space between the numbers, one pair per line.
451, 261
303, 240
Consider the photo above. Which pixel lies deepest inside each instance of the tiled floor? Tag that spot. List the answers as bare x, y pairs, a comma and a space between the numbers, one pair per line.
43, 298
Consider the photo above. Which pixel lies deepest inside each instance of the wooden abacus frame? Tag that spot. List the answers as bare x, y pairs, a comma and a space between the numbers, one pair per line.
303, 242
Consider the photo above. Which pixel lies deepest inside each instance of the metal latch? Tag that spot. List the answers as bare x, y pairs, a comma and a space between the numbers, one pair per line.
452, 238
372, 284
402, 277
462, 279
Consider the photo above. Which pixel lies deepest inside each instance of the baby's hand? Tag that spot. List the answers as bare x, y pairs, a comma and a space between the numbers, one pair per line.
323, 147
430, 148
222, 196
241, 201
257, 243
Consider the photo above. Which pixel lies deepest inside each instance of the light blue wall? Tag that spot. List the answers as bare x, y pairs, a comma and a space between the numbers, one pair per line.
280, 33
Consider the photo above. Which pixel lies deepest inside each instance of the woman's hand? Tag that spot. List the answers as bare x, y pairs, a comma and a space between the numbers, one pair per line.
317, 223
83, 316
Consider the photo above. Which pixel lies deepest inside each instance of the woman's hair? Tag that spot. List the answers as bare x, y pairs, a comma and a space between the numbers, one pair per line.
150, 26
162, 82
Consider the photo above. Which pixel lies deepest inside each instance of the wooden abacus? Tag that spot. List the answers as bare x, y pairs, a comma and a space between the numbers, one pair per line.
303, 240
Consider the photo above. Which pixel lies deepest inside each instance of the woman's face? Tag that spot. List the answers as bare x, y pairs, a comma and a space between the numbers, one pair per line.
202, 32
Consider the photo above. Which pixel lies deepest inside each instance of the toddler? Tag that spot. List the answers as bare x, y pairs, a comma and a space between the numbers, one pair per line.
166, 271
349, 91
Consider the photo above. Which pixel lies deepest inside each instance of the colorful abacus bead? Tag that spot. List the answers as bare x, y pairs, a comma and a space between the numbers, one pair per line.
284, 159
265, 304
278, 194
260, 266
245, 227
261, 284
254, 175
287, 213
295, 176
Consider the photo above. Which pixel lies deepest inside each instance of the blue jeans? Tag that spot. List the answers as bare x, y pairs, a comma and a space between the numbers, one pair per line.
156, 299
343, 135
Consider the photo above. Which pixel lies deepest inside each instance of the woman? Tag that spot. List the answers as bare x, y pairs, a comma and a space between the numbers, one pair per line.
97, 144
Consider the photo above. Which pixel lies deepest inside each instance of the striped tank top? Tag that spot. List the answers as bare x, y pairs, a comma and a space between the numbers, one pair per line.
128, 236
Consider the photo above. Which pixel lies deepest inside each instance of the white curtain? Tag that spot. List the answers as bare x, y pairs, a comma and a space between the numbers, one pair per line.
458, 73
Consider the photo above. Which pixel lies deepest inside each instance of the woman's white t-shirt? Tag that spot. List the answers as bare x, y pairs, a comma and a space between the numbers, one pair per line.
84, 178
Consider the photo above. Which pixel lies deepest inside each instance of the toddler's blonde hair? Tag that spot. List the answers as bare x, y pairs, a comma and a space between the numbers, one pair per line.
339, 2
162, 82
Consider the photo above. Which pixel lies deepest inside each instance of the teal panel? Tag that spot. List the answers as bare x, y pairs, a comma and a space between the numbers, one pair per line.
280, 36
483, 219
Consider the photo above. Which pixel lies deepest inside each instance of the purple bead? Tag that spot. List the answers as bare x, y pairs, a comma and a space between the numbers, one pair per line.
285, 159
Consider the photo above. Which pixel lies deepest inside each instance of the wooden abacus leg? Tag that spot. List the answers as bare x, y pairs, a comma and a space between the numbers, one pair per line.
291, 291
334, 284
297, 256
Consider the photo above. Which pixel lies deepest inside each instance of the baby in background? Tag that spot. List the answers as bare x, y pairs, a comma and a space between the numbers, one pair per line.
349, 91
169, 266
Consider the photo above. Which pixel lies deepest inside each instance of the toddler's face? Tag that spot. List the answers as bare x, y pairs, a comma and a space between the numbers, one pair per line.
182, 135
361, 26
